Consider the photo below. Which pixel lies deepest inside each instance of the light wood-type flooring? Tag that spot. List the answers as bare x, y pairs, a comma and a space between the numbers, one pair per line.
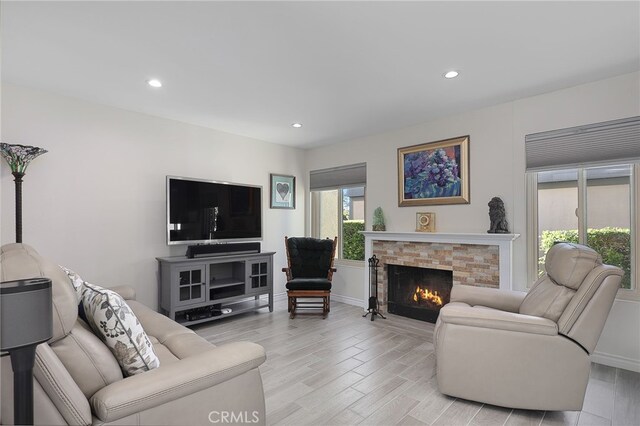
347, 370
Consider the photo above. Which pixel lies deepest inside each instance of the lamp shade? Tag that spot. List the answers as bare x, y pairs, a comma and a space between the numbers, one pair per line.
19, 156
26, 313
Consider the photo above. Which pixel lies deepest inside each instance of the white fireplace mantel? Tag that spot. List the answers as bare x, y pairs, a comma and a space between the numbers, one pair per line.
503, 241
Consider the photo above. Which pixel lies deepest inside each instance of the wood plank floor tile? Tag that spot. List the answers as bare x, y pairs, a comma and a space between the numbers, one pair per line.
345, 417
347, 370
380, 362
588, 419
321, 394
283, 412
286, 396
371, 353
599, 398
525, 418
322, 377
280, 371
414, 355
329, 360
392, 412
627, 400
422, 389
560, 418
432, 405
603, 372
423, 369
490, 415
459, 413
373, 381
330, 351
329, 408
379, 396
300, 417
282, 384
410, 421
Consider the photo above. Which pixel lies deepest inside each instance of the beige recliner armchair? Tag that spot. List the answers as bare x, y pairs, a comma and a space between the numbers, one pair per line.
77, 380
527, 350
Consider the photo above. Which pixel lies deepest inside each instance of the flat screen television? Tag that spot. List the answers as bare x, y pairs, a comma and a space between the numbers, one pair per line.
204, 211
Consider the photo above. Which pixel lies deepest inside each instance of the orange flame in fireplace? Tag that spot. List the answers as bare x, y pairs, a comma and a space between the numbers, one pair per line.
426, 294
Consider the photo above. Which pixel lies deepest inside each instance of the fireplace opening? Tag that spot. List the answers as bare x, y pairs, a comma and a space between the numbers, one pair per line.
418, 293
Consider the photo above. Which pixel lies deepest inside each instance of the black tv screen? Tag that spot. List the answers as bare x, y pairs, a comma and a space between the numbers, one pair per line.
201, 211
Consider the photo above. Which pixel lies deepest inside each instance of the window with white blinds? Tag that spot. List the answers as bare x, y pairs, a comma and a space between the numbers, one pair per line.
592, 144
583, 187
338, 177
338, 208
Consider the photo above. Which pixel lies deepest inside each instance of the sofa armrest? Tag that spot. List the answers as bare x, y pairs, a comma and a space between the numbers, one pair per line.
167, 383
490, 297
498, 320
126, 291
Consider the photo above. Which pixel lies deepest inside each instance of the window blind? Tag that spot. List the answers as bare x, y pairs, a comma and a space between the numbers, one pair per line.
609, 141
336, 177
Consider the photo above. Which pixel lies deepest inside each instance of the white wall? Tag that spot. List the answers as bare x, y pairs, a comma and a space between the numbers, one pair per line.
497, 163
96, 201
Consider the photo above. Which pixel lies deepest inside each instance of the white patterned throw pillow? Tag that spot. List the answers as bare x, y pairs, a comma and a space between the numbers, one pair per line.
113, 321
76, 281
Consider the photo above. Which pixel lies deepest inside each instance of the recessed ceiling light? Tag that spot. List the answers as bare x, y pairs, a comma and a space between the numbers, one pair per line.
451, 74
154, 83
296, 125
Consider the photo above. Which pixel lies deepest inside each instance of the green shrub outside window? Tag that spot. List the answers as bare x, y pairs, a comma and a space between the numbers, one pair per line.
353, 240
613, 244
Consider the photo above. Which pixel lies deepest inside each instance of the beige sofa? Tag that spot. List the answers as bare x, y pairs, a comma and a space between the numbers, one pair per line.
527, 350
78, 381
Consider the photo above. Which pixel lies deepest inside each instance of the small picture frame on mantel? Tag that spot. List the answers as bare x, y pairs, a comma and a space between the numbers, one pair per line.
426, 222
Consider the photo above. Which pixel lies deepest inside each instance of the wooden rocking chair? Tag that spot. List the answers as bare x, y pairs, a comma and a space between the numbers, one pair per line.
309, 273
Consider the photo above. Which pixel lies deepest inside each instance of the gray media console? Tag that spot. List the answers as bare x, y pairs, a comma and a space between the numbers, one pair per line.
209, 288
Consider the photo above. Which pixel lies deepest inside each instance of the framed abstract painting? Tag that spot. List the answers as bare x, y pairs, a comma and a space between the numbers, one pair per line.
434, 173
282, 191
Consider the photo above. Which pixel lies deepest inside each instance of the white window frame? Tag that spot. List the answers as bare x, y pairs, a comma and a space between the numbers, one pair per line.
315, 221
532, 224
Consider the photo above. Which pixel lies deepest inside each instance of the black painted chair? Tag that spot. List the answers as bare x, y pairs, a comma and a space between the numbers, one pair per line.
309, 273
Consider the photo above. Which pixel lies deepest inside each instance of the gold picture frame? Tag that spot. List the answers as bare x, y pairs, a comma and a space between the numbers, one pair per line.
426, 222
434, 173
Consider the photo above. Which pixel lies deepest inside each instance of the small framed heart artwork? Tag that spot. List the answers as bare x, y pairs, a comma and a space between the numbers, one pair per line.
283, 191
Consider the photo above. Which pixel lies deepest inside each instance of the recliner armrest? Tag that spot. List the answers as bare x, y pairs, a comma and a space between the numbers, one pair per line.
126, 291
461, 314
167, 383
490, 297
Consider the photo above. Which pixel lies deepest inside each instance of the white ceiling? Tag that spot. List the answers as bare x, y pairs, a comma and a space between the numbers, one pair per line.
343, 69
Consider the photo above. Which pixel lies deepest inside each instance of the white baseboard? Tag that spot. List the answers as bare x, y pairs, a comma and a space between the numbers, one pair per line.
616, 361
348, 300
278, 296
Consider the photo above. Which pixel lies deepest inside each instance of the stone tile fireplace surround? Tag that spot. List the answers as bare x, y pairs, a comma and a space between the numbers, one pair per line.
475, 259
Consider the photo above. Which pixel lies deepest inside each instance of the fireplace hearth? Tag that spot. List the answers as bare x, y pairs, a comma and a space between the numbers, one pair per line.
418, 293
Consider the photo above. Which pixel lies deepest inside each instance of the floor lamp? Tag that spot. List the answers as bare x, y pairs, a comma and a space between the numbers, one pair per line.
19, 157
25, 322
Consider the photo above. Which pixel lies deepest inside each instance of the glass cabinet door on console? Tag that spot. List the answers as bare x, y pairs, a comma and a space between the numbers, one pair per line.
190, 282
259, 275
